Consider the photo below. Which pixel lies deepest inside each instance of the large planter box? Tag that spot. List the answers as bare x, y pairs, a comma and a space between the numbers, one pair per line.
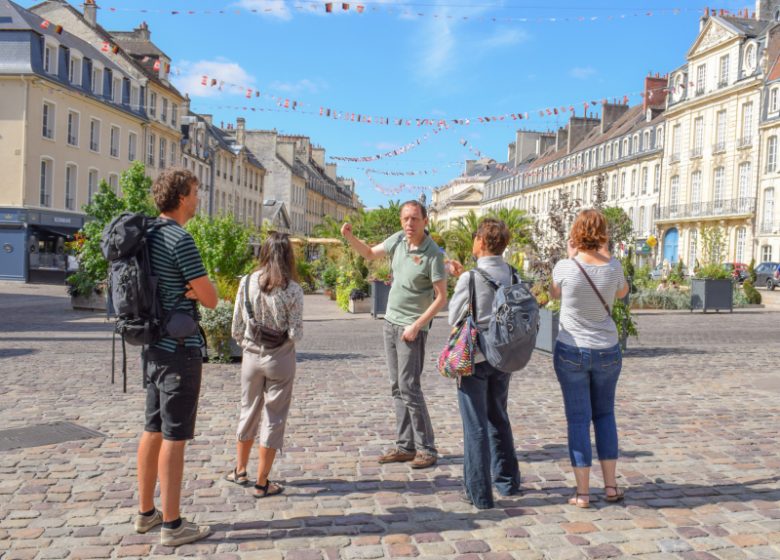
707, 294
548, 330
92, 302
359, 306
380, 291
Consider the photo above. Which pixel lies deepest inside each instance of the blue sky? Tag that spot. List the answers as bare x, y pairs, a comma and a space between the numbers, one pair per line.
390, 62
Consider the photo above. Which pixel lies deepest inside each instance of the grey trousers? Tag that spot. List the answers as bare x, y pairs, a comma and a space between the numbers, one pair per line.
405, 362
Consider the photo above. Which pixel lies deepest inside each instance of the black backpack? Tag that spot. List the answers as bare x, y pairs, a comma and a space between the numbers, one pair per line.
132, 289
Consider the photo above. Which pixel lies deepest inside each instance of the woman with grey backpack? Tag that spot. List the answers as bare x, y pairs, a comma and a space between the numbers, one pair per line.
488, 445
267, 321
587, 356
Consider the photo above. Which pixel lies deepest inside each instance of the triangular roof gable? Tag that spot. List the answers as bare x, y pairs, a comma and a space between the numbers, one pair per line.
466, 195
716, 32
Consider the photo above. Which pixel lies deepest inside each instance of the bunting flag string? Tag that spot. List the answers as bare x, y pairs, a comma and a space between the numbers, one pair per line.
480, 154
402, 173
397, 189
392, 153
413, 11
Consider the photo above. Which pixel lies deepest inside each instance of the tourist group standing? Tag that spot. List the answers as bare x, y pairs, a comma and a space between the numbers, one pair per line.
268, 321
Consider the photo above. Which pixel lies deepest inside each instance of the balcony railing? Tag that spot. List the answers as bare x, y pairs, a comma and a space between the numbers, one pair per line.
700, 90
745, 141
696, 152
769, 227
722, 84
718, 147
702, 209
674, 158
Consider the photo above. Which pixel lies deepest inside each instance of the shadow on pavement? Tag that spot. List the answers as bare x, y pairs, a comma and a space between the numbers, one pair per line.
656, 352
320, 356
16, 352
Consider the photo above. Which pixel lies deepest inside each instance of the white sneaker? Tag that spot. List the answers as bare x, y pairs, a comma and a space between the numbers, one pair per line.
186, 533
144, 523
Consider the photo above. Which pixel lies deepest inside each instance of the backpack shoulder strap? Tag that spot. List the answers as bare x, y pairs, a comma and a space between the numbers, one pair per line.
247, 304
472, 297
514, 275
485, 276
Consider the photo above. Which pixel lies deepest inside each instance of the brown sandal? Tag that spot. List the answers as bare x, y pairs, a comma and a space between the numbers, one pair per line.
617, 497
270, 489
236, 477
575, 500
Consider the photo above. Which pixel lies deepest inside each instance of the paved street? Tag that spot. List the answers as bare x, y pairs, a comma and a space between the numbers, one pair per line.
698, 414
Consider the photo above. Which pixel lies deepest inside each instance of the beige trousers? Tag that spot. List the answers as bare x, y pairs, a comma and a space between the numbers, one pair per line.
266, 393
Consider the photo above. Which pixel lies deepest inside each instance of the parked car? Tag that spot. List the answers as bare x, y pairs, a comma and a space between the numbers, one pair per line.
768, 275
738, 271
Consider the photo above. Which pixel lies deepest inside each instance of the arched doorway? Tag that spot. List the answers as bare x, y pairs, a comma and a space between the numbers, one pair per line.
671, 242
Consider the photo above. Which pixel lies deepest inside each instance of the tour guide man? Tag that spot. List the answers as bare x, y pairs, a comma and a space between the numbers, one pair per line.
418, 272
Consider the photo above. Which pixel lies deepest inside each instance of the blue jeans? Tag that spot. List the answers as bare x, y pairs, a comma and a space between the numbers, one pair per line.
588, 379
488, 447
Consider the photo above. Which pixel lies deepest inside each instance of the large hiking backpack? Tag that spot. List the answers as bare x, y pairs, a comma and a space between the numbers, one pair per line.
510, 337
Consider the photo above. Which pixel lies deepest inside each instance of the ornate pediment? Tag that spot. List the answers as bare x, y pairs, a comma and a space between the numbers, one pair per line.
713, 34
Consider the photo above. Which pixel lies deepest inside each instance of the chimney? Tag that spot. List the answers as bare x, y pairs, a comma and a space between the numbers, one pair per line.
510, 156
561, 138
610, 113
655, 91
330, 170
318, 155
579, 127
208, 118
240, 131
142, 31
470, 164
185, 106
90, 12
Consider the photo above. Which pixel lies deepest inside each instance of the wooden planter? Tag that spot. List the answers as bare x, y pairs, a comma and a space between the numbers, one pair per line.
92, 302
548, 330
708, 294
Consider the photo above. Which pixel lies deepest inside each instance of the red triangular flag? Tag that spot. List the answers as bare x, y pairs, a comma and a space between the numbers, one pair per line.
45, 24
106, 47
360, 8
156, 65
204, 80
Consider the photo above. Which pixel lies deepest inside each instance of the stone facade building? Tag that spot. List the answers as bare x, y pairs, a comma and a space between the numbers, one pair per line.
463, 194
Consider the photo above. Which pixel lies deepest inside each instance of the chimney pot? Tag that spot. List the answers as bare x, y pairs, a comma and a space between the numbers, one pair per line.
90, 12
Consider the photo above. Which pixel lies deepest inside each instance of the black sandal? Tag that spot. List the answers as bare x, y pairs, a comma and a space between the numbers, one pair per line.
236, 477
617, 496
270, 489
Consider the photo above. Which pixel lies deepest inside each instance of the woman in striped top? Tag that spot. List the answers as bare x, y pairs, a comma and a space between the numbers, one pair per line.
587, 357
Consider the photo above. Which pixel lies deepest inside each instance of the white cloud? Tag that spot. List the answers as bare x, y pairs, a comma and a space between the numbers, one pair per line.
189, 81
582, 72
505, 38
268, 8
301, 86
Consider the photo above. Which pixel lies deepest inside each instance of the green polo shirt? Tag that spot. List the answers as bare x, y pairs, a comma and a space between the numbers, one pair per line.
414, 273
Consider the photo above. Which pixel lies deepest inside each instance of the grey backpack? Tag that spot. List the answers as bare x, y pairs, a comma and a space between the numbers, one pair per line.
510, 337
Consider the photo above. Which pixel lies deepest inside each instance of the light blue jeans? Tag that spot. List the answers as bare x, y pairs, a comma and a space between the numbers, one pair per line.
588, 379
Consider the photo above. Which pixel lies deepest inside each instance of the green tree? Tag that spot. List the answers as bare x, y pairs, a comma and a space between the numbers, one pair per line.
619, 227
105, 206
712, 239
459, 237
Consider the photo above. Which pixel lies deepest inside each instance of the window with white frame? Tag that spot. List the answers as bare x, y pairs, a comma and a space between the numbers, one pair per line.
766, 253
625, 147
642, 225
701, 77
771, 154
132, 146
773, 104
152, 103
635, 147
173, 153
674, 193
719, 181
623, 184
720, 130
174, 114
163, 150
73, 128
695, 192
164, 110
645, 179
48, 120
750, 57
113, 182
657, 178
646, 140
50, 59
92, 184
744, 183
769, 210
150, 150
741, 236
74, 70
135, 96
653, 210
747, 123
44, 192
94, 135
698, 135
676, 139
631, 218
97, 81
723, 78
659, 137
114, 142
70, 186
613, 193
609, 152
117, 91
633, 182
693, 238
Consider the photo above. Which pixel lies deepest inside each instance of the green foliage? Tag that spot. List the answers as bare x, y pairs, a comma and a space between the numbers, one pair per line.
642, 279
380, 269
651, 298
619, 227
458, 237
330, 274
306, 277
227, 287
224, 244
751, 270
712, 246
105, 206
751, 294
624, 321
217, 324
628, 267
677, 274
714, 271
352, 276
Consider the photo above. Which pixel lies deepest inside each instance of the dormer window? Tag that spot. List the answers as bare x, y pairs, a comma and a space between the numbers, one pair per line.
773, 94
750, 57
49, 59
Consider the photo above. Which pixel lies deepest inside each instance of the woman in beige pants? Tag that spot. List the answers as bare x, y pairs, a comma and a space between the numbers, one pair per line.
267, 321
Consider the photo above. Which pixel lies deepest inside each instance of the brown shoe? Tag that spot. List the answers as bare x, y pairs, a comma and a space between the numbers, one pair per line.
423, 460
396, 455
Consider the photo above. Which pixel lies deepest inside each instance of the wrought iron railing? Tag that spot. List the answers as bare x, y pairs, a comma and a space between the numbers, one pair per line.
711, 208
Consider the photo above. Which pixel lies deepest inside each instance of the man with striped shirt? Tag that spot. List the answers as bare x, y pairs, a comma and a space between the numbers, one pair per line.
173, 365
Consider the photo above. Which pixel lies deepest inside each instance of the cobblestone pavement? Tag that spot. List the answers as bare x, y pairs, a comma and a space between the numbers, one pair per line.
698, 415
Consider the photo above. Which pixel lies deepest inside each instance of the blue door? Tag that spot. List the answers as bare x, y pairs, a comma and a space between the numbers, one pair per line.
671, 238
12, 254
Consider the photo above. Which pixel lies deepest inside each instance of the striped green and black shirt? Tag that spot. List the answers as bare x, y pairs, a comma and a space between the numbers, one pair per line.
175, 260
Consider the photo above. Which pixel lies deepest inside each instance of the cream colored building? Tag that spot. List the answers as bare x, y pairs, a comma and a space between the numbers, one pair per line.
462, 194
66, 123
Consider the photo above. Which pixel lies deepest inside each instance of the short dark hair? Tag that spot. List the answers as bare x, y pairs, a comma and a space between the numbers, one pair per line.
170, 186
418, 204
494, 234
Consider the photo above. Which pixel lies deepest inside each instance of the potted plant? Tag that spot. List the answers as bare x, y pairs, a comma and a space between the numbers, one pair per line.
87, 286
329, 277
712, 288
358, 301
217, 325
380, 281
